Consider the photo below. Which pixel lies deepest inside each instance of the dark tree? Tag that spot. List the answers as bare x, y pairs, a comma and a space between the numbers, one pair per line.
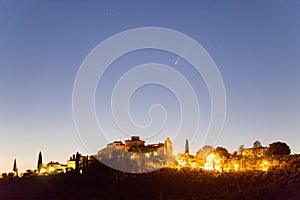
40, 162
11, 174
257, 144
4, 174
15, 169
223, 152
84, 164
234, 154
187, 148
241, 149
279, 149
77, 159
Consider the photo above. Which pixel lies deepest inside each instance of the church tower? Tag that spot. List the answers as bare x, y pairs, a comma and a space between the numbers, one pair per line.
168, 147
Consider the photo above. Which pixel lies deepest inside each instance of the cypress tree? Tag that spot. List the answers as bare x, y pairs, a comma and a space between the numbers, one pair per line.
77, 159
40, 162
15, 169
187, 149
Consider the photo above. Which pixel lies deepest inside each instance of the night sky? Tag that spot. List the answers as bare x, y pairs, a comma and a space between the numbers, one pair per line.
255, 45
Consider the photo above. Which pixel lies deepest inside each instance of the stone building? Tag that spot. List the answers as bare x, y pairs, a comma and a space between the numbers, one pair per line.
137, 145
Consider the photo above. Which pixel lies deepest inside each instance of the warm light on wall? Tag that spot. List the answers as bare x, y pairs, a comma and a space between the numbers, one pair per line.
51, 169
236, 166
147, 155
265, 165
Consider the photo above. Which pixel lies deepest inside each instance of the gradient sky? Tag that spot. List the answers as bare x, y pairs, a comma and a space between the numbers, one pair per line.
255, 44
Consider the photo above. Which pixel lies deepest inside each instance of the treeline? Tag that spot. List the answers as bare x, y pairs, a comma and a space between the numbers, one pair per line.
102, 182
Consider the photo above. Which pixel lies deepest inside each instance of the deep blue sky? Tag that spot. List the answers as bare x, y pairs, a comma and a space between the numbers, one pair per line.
255, 44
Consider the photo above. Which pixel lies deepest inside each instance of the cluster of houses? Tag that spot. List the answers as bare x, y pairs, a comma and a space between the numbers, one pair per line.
77, 163
211, 161
245, 159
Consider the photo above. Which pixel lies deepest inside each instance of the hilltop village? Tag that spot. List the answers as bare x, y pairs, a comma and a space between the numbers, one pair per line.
134, 155
208, 158
213, 173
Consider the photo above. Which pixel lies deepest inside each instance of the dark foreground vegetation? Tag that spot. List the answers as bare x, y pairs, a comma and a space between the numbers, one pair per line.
101, 182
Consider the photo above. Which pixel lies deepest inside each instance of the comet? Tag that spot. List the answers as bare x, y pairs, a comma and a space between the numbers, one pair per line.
177, 60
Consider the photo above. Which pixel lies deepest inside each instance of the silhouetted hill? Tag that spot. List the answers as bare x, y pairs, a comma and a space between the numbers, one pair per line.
101, 182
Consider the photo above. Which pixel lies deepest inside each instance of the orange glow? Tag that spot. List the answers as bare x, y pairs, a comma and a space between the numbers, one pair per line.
265, 165
236, 166
213, 162
147, 155
51, 169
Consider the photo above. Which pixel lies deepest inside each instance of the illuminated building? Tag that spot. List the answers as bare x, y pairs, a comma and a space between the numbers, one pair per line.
138, 146
53, 168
